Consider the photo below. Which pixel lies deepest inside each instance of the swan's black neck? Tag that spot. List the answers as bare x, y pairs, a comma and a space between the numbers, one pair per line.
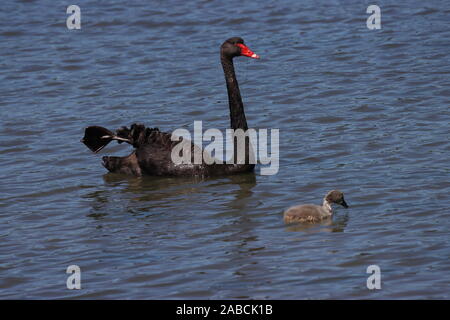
237, 114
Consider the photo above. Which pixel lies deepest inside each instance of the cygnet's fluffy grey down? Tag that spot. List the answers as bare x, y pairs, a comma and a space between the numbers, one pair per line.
315, 213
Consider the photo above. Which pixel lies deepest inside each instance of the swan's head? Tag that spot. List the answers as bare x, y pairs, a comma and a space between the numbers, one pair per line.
336, 196
235, 47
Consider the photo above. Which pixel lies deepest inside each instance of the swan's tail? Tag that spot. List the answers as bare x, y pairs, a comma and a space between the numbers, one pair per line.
96, 138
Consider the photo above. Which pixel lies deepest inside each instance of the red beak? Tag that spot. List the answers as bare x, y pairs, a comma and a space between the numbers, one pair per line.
245, 51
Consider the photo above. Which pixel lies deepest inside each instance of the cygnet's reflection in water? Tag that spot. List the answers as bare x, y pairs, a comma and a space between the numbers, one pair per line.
142, 194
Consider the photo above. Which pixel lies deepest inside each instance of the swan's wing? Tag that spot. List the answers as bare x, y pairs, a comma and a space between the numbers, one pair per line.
154, 149
138, 135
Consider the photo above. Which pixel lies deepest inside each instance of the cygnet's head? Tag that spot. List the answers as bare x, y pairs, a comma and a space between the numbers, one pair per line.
336, 196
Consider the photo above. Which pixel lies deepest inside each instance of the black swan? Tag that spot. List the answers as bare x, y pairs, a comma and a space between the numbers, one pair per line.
153, 148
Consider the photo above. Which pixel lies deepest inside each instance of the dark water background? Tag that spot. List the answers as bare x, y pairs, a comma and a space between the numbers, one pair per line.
365, 111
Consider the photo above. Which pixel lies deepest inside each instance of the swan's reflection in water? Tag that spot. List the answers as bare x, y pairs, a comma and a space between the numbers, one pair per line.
143, 194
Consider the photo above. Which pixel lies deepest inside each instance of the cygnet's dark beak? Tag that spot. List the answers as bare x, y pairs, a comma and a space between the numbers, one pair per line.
344, 204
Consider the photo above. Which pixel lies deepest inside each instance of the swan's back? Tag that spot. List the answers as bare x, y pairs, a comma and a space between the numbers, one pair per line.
153, 156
